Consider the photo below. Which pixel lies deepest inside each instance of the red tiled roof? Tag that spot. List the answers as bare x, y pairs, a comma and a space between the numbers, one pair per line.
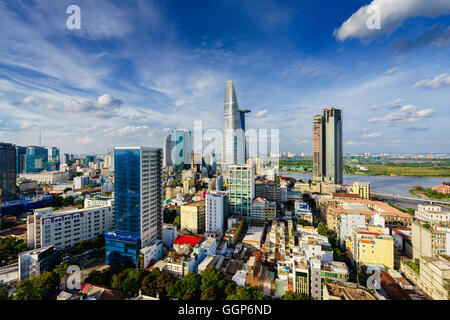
192, 240
85, 287
370, 233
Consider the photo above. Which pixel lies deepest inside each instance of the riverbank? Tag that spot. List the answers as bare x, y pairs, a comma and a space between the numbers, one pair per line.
397, 171
421, 192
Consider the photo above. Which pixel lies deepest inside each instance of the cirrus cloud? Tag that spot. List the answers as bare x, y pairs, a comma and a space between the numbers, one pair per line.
442, 80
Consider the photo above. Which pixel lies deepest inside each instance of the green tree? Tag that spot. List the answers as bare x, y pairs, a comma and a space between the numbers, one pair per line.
68, 201
187, 288
3, 292
157, 283
290, 295
209, 294
42, 287
129, 280
10, 247
321, 229
211, 277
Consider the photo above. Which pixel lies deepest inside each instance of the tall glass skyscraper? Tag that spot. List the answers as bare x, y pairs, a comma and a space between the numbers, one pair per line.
138, 201
234, 142
167, 151
182, 149
20, 159
7, 172
327, 146
53, 159
36, 159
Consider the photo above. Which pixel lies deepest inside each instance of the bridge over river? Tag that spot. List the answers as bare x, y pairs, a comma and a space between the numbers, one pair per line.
412, 199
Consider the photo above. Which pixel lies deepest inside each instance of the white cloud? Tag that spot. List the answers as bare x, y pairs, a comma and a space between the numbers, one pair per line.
442, 80
135, 130
107, 100
261, 114
28, 101
302, 141
392, 13
391, 105
408, 113
392, 70
85, 140
372, 135
353, 143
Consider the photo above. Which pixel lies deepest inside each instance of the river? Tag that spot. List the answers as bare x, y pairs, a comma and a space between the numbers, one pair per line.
386, 184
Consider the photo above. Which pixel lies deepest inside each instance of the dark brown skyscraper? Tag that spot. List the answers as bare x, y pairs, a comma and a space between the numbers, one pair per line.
317, 149
327, 146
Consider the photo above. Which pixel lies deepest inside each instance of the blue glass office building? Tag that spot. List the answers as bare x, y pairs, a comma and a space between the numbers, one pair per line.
138, 203
36, 159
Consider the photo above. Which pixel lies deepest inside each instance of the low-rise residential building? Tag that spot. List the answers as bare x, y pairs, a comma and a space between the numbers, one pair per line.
152, 252
67, 227
445, 189
348, 222
46, 177
258, 209
80, 182
193, 217
169, 234
371, 246
303, 211
363, 189
429, 239
36, 261
402, 240
432, 276
432, 214
334, 207
253, 237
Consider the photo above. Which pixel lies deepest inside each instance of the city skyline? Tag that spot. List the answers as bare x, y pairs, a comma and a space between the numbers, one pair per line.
88, 90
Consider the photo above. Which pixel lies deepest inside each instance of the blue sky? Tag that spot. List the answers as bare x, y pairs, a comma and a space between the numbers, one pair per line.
138, 69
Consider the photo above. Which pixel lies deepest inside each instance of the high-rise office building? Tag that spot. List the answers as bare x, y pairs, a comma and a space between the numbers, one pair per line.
215, 203
53, 159
182, 150
241, 188
7, 172
138, 201
20, 159
318, 149
167, 151
327, 146
36, 159
234, 140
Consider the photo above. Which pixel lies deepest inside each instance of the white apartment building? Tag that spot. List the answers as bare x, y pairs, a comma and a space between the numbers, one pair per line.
66, 228
214, 216
432, 214
80, 182
258, 209
169, 235
347, 223
46, 177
